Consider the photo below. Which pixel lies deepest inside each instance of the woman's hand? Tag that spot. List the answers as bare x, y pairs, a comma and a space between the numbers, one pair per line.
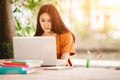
61, 62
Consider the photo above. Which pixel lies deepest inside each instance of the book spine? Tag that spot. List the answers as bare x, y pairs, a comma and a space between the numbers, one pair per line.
8, 63
12, 70
11, 65
18, 63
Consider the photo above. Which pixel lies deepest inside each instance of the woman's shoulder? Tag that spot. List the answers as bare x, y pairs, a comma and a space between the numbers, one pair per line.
65, 34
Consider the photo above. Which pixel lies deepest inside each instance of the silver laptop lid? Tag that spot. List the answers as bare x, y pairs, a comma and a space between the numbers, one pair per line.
35, 48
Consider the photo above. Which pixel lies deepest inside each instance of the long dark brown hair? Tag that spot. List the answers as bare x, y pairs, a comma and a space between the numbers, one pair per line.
58, 25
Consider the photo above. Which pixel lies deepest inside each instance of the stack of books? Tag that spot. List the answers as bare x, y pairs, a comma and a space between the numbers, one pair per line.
19, 66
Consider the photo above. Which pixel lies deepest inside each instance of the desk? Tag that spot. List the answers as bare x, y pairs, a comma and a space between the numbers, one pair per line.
68, 74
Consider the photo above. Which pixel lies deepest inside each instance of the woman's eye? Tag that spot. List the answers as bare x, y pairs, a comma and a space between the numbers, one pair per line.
42, 20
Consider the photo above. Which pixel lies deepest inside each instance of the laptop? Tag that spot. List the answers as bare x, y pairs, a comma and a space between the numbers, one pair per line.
36, 48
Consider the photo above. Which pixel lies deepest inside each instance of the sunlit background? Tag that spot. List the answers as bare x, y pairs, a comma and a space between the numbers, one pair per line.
99, 18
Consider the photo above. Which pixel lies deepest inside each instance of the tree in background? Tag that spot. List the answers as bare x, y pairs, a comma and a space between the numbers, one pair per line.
7, 29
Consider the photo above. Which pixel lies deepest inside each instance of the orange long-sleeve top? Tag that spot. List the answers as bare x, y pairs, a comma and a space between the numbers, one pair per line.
65, 44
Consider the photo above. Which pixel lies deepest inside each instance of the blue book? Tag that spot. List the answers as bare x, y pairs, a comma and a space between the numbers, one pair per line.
15, 70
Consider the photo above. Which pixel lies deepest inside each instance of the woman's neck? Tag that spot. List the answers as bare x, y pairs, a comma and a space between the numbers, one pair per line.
49, 34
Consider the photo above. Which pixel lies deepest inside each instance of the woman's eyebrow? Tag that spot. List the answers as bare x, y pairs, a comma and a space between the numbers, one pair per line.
42, 18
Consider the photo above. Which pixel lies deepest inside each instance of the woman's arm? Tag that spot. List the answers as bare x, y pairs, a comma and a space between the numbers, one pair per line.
65, 56
64, 59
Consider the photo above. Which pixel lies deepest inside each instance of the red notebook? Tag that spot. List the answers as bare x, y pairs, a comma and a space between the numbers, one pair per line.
17, 64
13, 65
22, 63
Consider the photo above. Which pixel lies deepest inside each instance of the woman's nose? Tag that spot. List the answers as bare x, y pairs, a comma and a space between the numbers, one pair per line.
46, 24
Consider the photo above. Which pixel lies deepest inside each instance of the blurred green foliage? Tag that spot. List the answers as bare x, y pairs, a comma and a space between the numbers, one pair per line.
32, 6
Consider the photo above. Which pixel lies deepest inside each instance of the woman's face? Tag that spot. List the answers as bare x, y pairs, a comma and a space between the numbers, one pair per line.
45, 22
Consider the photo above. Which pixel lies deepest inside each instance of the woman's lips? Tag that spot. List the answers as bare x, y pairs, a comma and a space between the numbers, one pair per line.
46, 28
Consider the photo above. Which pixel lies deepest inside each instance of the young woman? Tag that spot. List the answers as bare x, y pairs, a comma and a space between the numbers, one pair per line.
49, 23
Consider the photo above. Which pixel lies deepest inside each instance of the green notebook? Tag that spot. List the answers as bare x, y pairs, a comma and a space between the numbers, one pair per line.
15, 70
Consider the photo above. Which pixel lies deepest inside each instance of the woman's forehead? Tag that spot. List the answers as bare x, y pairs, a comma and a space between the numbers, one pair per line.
45, 15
